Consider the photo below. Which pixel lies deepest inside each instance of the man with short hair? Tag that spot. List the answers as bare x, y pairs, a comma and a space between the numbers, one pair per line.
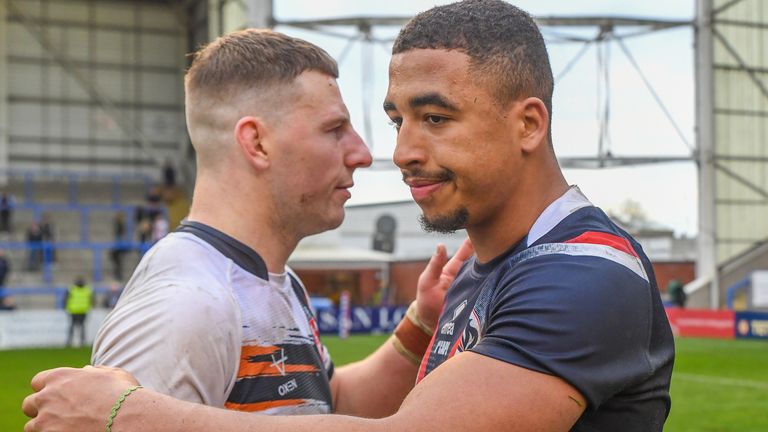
554, 325
212, 314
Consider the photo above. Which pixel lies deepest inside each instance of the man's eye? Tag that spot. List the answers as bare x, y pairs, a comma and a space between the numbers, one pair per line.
396, 123
435, 119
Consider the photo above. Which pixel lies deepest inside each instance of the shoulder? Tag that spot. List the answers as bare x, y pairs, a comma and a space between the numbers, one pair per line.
187, 252
181, 283
589, 244
177, 261
583, 288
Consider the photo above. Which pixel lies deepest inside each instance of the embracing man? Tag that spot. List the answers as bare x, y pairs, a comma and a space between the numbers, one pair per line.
212, 314
555, 324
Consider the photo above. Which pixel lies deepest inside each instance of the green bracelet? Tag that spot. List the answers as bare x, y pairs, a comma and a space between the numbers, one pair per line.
119, 404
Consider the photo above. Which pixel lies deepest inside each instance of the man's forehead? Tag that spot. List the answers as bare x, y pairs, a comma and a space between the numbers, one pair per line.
428, 58
421, 75
317, 88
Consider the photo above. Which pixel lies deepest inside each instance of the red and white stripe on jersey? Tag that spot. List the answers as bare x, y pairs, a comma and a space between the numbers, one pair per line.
608, 246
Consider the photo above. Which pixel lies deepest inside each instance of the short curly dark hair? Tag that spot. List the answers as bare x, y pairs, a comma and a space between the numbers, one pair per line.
503, 42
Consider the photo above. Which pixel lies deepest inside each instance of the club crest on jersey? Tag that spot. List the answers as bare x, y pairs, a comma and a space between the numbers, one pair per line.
471, 335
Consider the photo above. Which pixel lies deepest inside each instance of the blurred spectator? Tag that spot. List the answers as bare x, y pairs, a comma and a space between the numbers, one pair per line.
5, 267
119, 248
7, 202
49, 237
35, 246
159, 227
78, 303
147, 227
153, 203
143, 226
115, 289
169, 174
676, 292
118, 227
5, 302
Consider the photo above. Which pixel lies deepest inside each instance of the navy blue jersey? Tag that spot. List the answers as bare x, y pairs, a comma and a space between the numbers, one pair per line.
576, 299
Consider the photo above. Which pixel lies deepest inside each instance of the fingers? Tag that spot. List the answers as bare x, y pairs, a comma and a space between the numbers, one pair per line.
465, 250
31, 426
29, 405
436, 262
39, 380
462, 254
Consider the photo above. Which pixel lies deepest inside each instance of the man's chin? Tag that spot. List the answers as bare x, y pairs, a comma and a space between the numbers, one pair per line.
445, 223
334, 221
322, 224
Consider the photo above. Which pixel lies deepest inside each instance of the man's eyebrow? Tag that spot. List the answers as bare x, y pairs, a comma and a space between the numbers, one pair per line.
435, 99
336, 120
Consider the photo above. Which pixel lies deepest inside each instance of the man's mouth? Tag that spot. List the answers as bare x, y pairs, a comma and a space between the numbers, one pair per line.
345, 189
422, 191
423, 185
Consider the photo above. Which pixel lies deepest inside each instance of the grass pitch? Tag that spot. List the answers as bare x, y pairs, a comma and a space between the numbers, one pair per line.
717, 386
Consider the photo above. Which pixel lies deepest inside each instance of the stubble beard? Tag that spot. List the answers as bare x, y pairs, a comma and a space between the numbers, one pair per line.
445, 224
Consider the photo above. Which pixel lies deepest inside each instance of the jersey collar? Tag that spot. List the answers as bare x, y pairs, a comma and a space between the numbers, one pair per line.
238, 252
568, 203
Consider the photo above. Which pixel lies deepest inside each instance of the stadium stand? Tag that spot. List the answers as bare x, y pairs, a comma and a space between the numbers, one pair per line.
82, 208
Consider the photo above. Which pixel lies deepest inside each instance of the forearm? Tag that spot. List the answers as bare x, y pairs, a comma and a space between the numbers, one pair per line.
374, 387
147, 410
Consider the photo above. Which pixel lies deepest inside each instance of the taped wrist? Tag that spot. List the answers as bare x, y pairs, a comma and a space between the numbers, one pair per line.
412, 337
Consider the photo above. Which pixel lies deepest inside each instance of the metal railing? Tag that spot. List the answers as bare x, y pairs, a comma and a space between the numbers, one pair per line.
73, 180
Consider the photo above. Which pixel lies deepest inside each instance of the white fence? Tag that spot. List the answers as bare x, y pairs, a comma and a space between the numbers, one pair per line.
43, 328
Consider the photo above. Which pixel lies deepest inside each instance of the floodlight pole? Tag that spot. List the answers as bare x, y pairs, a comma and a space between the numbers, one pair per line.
706, 263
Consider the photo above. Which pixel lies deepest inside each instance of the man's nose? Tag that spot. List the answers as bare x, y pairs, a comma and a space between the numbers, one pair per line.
409, 149
358, 156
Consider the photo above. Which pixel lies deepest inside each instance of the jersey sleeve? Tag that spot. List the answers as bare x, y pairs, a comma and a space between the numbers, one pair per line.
584, 319
177, 338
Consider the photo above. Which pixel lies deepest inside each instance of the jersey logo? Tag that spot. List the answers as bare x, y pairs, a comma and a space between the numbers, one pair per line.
471, 335
459, 309
279, 364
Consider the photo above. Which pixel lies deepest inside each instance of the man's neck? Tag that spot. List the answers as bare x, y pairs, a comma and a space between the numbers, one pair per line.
497, 235
234, 215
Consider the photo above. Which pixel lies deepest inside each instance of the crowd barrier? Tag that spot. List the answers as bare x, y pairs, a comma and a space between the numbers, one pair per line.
48, 328
43, 328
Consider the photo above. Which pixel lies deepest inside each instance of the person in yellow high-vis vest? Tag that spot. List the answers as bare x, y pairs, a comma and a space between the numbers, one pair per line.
78, 303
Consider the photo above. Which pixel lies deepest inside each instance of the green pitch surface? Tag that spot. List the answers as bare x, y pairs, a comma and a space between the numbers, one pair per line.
718, 386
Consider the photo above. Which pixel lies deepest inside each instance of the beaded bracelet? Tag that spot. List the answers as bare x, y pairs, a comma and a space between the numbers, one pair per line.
119, 404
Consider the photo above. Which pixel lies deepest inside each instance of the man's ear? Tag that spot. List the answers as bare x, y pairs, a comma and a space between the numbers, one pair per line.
249, 134
534, 124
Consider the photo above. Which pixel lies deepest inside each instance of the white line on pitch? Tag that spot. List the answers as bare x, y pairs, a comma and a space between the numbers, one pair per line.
760, 385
